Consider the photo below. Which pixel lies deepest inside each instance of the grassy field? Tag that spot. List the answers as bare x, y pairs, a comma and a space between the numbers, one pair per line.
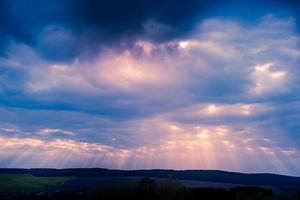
28, 182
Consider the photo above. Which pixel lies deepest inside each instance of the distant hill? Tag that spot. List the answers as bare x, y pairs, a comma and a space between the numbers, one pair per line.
195, 175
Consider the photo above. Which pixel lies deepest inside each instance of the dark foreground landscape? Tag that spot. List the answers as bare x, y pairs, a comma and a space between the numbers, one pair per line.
144, 184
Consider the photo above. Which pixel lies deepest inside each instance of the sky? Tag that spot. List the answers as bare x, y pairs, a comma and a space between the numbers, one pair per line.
140, 84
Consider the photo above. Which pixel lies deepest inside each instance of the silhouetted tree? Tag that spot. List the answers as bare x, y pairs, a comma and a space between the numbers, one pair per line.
147, 184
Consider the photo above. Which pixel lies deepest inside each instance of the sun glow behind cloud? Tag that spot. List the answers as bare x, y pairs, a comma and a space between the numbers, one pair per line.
200, 146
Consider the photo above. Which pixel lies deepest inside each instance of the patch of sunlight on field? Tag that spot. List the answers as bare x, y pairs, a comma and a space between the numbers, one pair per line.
28, 182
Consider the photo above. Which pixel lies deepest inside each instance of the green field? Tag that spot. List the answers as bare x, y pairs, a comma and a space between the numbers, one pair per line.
28, 182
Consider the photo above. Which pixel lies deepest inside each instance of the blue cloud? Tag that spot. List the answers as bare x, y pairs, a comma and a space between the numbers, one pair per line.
157, 86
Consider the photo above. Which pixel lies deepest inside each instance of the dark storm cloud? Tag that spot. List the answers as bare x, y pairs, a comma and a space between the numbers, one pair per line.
83, 27
22, 18
80, 25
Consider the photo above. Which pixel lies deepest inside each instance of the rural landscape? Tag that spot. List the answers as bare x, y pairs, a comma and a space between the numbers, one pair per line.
96, 183
150, 99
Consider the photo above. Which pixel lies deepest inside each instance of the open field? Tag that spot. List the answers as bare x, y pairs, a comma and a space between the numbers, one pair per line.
28, 182
131, 182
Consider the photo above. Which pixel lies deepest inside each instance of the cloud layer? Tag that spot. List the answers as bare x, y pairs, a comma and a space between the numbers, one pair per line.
217, 93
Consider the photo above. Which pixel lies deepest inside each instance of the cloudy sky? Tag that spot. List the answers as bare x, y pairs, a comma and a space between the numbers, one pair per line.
137, 84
